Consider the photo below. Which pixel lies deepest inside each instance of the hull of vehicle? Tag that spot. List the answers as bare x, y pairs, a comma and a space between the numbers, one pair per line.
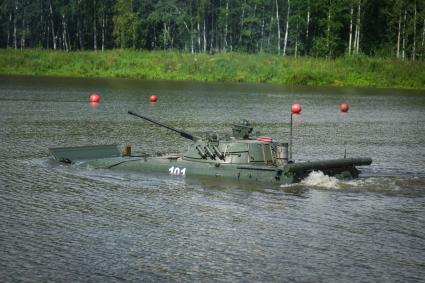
109, 158
291, 173
184, 168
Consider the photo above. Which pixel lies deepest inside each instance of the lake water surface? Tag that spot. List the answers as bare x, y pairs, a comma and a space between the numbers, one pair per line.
59, 223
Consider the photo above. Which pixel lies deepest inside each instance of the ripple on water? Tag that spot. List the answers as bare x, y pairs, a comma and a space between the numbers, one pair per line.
388, 185
60, 222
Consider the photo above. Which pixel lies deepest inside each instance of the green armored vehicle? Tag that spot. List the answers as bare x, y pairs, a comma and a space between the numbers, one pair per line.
240, 157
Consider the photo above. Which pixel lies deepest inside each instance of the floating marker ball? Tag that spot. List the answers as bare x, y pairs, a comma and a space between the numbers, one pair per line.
296, 108
153, 98
344, 107
94, 97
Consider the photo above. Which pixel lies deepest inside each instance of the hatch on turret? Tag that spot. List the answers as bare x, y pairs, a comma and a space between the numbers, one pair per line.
248, 151
261, 153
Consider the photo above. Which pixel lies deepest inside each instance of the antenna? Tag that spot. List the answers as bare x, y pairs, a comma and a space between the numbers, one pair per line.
295, 109
345, 149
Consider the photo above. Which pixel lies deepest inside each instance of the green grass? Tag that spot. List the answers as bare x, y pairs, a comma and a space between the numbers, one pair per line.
358, 71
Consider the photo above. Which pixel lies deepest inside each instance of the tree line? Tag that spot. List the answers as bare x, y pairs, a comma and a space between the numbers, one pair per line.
320, 28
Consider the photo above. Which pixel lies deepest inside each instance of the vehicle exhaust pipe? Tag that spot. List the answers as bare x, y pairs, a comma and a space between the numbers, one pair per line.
282, 154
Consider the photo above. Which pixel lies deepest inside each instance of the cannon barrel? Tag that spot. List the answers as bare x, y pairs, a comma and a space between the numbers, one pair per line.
327, 164
181, 132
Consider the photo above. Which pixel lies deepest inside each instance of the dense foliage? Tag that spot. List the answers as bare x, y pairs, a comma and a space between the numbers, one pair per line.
359, 71
322, 28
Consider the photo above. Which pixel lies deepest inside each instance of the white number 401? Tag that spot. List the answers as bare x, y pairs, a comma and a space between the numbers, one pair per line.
177, 171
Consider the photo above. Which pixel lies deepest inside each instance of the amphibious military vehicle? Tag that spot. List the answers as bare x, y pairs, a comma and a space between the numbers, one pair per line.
240, 157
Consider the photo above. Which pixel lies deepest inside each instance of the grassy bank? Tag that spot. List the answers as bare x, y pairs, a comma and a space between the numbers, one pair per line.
349, 71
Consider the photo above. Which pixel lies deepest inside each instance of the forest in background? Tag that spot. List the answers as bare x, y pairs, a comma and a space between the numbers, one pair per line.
319, 28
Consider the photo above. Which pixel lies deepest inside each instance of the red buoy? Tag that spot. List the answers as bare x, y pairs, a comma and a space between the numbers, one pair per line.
94, 97
344, 107
153, 98
296, 108
264, 139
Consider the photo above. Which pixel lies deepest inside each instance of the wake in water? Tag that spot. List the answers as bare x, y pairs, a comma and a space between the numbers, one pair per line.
405, 185
319, 179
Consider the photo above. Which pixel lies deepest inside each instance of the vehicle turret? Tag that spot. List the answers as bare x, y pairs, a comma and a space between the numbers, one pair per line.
241, 148
242, 129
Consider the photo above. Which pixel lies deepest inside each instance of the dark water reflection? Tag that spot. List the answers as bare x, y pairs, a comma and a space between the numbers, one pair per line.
65, 224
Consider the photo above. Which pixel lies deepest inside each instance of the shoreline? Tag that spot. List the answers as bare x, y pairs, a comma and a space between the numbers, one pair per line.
358, 72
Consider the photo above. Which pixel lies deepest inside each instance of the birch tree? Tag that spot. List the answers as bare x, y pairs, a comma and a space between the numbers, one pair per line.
8, 29
307, 29
414, 31
278, 28
15, 20
423, 40
403, 50
350, 36
356, 46
104, 14
226, 26
125, 24
95, 25
64, 33
285, 42
23, 27
52, 23
399, 35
